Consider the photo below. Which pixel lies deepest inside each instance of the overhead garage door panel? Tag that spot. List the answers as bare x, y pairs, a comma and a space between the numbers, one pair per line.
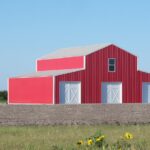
146, 92
111, 92
74, 93
70, 93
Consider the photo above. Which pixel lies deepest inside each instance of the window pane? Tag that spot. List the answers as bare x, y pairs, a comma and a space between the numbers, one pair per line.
111, 68
111, 61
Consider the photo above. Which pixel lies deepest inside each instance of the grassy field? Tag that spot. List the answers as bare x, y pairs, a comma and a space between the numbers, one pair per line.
66, 137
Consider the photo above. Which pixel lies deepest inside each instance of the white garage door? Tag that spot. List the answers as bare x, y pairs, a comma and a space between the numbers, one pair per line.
111, 92
70, 92
146, 92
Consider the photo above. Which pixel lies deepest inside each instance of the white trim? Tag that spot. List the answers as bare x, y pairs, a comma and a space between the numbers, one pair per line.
53, 90
62, 57
121, 93
84, 60
112, 65
28, 104
49, 73
32, 77
80, 92
36, 68
8, 100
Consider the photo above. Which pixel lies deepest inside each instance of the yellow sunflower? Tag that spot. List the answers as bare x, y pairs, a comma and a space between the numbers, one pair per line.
128, 136
80, 142
90, 142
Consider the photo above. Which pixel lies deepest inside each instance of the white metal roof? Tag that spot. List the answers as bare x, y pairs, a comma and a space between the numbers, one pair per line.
75, 51
48, 73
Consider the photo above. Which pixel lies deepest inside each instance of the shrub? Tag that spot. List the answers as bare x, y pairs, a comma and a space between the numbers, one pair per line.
3, 95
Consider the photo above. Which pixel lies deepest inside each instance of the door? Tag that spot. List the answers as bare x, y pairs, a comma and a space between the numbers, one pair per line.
70, 92
111, 92
146, 92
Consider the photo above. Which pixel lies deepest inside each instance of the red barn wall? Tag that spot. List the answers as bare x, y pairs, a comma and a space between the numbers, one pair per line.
31, 90
97, 72
60, 63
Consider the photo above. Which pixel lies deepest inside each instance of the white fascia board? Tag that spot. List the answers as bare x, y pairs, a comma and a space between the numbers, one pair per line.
53, 90
29, 104
84, 59
36, 65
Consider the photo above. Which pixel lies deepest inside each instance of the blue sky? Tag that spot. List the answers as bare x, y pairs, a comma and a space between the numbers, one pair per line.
30, 29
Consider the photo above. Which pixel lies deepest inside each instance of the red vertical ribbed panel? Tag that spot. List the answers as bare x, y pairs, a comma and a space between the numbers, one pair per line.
96, 72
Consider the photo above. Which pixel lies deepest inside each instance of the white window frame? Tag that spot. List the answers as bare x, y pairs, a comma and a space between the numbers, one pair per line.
112, 65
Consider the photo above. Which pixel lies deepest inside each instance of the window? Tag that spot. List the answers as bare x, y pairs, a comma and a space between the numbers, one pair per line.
111, 64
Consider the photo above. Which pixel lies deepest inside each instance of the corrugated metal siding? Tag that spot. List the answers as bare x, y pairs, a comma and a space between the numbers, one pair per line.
97, 72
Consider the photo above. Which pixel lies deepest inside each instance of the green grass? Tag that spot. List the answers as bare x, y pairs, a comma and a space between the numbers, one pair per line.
52, 137
2, 100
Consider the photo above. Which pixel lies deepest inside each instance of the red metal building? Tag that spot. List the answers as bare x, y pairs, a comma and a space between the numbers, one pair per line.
91, 74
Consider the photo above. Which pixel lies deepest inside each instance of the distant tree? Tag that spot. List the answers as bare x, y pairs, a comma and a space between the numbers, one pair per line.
3, 95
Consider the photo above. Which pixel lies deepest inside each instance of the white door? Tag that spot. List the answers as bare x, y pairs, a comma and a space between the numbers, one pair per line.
146, 92
112, 92
70, 92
